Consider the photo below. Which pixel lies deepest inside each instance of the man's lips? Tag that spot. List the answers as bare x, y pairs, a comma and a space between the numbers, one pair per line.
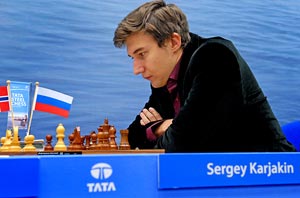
147, 77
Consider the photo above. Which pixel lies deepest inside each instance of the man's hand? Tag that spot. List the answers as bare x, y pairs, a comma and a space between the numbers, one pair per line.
163, 127
149, 115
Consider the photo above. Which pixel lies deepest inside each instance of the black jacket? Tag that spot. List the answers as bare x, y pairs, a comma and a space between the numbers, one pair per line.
223, 109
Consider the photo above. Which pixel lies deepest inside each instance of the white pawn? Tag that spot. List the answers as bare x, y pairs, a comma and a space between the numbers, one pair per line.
29, 139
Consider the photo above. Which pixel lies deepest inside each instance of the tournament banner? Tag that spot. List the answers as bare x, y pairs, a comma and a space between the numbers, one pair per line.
230, 169
20, 101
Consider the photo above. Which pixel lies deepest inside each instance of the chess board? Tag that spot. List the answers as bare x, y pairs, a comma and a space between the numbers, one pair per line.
101, 142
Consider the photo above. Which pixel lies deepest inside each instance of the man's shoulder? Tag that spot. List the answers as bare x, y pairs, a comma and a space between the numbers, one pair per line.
199, 41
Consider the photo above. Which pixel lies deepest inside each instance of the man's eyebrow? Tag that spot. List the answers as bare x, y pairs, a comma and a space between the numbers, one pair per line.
137, 50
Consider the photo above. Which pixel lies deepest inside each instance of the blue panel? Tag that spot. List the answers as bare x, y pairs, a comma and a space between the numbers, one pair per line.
19, 177
99, 176
236, 169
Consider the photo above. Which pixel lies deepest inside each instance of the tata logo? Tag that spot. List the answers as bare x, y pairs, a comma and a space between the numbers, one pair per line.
102, 172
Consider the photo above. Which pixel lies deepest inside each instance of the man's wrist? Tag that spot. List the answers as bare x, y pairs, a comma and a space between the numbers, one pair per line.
151, 128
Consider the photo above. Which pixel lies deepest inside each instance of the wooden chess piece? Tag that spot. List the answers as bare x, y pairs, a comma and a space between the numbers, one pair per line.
2, 143
71, 139
112, 138
101, 141
124, 144
15, 143
48, 146
87, 142
29, 139
82, 143
93, 146
103, 136
6, 141
76, 143
60, 134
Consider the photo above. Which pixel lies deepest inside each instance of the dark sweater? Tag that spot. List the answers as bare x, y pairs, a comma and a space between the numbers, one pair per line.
223, 109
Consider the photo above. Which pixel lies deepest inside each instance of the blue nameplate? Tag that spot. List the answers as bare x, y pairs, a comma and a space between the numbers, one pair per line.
229, 169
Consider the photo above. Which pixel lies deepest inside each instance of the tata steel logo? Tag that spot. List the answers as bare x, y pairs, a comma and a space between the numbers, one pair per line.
102, 172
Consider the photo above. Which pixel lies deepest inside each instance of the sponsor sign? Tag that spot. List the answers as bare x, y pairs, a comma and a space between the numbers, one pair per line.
20, 100
99, 176
236, 169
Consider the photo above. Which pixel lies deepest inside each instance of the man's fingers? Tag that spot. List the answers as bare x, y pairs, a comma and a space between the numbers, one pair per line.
142, 122
155, 113
144, 117
150, 115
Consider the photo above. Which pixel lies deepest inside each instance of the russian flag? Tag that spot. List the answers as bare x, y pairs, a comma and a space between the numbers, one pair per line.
54, 102
4, 99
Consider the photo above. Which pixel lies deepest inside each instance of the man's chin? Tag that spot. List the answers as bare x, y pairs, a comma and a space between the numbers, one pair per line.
156, 85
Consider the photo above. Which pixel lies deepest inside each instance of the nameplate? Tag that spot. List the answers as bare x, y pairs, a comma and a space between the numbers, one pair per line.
60, 153
230, 169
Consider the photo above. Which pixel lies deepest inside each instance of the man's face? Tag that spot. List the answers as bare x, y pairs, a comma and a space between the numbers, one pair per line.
154, 63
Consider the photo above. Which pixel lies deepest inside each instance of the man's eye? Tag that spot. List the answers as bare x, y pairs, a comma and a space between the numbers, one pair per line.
142, 54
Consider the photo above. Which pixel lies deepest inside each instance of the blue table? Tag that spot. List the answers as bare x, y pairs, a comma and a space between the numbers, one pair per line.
152, 175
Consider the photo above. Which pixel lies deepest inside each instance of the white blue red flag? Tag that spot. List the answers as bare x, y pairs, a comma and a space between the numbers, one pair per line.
54, 102
4, 99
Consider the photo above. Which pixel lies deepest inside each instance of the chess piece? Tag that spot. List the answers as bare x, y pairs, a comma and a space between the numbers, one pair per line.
76, 143
6, 141
87, 142
60, 134
29, 139
2, 143
103, 136
48, 146
15, 143
112, 138
124, 144
71, 139
82, 143
93, 146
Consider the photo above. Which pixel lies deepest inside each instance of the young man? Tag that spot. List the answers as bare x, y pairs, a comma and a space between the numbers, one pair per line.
204, 96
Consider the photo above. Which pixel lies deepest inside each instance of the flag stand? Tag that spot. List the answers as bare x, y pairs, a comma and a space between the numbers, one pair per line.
32, 108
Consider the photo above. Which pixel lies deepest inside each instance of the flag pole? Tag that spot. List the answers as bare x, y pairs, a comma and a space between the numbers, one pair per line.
10, 104
33, 106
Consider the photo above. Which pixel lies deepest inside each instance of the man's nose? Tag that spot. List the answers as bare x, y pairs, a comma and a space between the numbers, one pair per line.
137, 67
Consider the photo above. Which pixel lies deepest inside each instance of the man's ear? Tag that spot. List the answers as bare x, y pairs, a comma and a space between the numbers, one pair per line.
176, 41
